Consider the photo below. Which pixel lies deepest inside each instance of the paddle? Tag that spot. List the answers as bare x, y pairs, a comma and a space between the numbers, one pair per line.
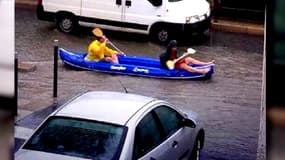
116, 48
170, 64
99, 33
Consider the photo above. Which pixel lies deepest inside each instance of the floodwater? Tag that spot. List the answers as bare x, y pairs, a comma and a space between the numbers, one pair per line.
228, 104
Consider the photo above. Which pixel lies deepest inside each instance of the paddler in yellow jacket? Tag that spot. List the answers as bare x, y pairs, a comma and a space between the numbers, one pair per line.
98, 51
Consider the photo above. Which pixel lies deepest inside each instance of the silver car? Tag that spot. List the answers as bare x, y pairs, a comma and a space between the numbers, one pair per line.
115, 126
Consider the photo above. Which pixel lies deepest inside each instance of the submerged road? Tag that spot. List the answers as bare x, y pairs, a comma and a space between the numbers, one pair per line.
228, 104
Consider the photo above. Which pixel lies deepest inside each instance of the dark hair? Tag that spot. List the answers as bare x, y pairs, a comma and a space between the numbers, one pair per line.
171, 44
166, 55
98, 37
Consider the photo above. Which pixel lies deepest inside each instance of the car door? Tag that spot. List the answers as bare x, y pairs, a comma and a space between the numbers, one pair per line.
178, 137
149, 143
106, 12
139, 14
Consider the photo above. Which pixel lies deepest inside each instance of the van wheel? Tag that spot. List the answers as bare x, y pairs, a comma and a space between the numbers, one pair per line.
161, 34
66, 23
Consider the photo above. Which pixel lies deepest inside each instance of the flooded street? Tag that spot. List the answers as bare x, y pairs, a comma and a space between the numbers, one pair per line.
228, 104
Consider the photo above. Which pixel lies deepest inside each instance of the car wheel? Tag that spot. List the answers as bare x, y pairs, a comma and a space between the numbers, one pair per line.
196, 150
66, 23
161, 35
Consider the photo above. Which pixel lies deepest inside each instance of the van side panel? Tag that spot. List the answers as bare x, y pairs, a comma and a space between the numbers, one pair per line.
54, 6
143, 12
102, 9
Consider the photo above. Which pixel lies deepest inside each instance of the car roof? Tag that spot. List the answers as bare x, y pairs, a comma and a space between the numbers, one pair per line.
107, 106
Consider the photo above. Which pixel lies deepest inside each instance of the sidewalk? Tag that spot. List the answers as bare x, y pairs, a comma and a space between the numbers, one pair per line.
238, 27
222, 24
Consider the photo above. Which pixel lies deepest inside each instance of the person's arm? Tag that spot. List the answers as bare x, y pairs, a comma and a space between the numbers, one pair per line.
110, 52
118, 51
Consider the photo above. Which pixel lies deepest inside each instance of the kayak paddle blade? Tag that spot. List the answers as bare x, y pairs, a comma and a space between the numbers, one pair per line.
170, 65
191, 51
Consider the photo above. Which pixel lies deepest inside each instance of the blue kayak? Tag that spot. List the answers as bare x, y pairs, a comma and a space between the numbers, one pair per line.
130, 65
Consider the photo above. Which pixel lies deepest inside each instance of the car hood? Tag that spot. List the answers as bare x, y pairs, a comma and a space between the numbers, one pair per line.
24, 154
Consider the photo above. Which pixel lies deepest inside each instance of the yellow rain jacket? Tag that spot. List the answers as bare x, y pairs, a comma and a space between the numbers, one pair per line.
97, 51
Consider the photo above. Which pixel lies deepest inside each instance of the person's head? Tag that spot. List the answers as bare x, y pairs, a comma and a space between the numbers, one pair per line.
172, 43
101, 39
98, 34
172, 47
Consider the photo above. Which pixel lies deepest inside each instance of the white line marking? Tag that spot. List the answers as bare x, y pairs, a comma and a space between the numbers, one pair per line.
22, 132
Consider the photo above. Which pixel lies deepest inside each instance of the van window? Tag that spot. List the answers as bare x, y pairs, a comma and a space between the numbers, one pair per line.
156, 2
174, 0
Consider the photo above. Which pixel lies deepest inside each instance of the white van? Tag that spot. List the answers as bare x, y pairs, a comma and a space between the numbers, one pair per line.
162, 19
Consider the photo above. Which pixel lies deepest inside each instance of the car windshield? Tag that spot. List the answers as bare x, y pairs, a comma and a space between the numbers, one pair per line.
77, 137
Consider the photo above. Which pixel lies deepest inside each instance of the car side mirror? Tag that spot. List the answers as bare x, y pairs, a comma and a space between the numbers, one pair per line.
188, 122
